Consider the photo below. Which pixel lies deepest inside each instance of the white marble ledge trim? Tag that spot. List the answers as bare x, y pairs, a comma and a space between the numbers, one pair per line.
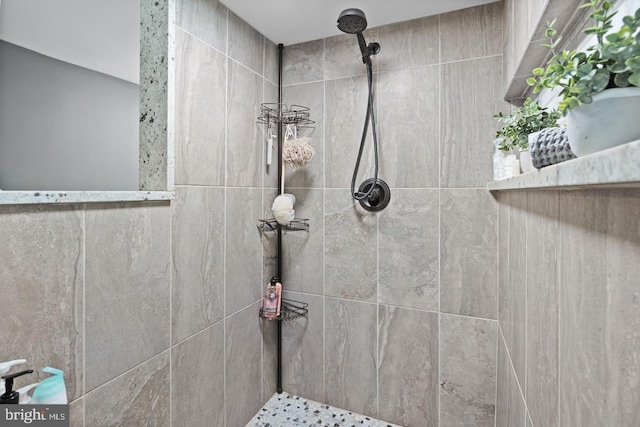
65, 197
616, 167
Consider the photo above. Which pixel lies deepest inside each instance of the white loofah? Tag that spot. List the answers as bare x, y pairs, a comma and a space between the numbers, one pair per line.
297, 152
282, 208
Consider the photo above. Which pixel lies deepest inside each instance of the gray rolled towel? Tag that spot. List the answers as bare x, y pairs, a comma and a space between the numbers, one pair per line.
551, 147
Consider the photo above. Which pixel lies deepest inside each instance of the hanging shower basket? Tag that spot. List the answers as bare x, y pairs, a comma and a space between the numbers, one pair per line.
271, 225
290, 310
278, 113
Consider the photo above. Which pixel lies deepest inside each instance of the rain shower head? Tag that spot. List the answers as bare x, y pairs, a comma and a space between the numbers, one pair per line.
352, 21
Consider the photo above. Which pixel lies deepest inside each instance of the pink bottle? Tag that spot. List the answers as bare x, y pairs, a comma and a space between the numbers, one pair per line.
271, 300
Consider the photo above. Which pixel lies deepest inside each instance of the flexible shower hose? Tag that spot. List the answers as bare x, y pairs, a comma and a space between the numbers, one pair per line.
370, 115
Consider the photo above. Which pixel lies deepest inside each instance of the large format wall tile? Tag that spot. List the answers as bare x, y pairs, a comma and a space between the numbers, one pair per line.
244, 140
302, 341
408, 127
205, 19
516, 406
502, 389
198, 260
303, 254
468, 371
269, 332
350, 355
346, 105
243, 358
408, 247
244, 249
508, 43
409, 44
270, 171
76, 413
197, 379
343, 57
350, 248
521, 27
138, 398
542, 307
408, 366
471, 94
246, 44
41, 287
599, 308
514, 327
127, 287
309, 95
303, 62
270, 242
468, 279
504, 215
472, 33
270, 72
200, 112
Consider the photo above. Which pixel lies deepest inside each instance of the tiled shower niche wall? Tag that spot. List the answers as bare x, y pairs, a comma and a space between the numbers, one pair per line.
568, 308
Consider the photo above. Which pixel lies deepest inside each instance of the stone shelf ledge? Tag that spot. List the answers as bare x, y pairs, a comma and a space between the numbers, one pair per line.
67, 197
615, 167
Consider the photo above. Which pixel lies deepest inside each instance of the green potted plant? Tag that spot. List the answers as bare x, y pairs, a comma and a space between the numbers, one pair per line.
599, 88
521, 126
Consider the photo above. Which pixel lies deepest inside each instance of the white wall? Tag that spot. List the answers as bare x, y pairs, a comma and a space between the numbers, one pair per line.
63, 127
69, 96
101, 36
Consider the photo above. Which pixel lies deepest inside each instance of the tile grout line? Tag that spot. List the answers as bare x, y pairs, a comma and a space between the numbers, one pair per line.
84, 312
222, 53
440, 118
395, 306
498, 266
128, 371
324, 226
226, 183
170, 314
526, 301
558, 295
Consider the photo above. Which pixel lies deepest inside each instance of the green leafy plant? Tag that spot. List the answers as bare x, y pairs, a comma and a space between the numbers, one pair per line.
614, 61
527, 119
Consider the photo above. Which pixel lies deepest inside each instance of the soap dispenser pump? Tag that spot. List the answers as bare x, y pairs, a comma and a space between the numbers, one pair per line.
11, 397
5, 367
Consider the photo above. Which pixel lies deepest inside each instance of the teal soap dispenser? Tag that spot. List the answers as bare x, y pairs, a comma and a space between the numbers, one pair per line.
11, 397
50, 391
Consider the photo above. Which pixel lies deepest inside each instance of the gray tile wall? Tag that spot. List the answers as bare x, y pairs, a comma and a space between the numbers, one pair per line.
569, 308
403, 303
151, 309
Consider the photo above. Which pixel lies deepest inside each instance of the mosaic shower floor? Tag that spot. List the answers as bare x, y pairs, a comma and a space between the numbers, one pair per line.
287, 410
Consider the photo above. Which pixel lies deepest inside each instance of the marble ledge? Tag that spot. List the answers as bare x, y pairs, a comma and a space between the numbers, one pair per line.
66, 197
616, 167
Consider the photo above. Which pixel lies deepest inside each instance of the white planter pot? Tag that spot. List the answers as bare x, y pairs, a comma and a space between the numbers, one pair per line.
613, 118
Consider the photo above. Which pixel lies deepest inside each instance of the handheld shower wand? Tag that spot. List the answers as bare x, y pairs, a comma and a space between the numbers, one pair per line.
354, 21
373, 194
